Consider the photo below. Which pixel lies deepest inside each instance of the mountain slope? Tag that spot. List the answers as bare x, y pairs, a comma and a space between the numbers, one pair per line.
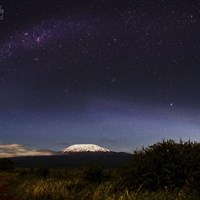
77, 159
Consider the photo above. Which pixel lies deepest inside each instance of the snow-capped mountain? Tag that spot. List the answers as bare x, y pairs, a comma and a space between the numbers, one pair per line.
85, 148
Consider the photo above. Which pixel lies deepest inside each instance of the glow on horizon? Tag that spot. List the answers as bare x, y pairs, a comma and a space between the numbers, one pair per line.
118, 127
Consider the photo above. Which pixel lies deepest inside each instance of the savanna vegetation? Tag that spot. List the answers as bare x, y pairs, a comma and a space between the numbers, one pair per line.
165, 170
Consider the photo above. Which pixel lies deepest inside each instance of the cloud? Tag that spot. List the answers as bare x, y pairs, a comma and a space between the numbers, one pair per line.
17, 150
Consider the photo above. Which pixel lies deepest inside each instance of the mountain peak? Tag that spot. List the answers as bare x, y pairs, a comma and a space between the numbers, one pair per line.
85, 148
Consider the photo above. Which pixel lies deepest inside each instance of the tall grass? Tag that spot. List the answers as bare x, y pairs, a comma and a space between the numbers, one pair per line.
55, 189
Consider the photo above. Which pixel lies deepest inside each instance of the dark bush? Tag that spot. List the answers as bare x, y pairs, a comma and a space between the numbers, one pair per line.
165, 165
94, 174
23, 171
6, 164
41, 172
59, 174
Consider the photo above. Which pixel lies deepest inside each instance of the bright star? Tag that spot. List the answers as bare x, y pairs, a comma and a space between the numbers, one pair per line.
38, 39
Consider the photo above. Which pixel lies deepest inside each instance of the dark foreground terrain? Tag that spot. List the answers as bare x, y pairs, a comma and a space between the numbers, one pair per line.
110, 159
6, 179
5, 194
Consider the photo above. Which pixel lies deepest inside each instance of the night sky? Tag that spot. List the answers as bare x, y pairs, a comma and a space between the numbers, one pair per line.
120, 74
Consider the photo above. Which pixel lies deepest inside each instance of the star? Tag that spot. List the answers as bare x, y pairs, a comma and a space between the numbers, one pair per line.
38, 40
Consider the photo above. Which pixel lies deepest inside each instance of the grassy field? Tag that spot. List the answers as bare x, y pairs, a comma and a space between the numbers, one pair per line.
73, 184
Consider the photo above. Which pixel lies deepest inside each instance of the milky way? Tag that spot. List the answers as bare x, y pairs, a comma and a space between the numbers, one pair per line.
38, 37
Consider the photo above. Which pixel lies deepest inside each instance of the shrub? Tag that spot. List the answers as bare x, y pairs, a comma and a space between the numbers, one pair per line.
41, 172
165, 165
59, 174
93, 174
24, 171
6, 164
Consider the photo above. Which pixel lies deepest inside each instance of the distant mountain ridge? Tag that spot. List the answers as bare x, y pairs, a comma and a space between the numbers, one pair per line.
77, 155
74, 159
